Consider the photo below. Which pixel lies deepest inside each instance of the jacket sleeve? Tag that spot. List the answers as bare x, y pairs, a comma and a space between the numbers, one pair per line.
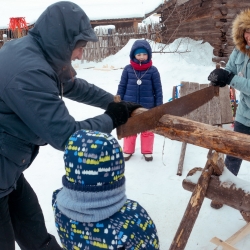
231, 66
123, 83
34, 97
238, 82
156, 79
81, 91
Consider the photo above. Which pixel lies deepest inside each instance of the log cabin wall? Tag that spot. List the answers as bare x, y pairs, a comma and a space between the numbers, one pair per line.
207, 20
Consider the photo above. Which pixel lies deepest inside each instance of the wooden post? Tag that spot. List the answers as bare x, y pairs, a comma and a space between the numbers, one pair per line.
181, 160
98, 51
226, 193
4, 38
174, 93
185, 228
184, 144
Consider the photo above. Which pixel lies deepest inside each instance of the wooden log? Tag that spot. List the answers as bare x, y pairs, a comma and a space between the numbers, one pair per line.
226, 193
223, 10
204, 135
185, 228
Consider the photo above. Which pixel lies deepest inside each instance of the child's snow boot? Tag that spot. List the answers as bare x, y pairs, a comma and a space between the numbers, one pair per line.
148, 157
126, 156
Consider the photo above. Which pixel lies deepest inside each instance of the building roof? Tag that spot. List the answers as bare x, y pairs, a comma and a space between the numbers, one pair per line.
95, 9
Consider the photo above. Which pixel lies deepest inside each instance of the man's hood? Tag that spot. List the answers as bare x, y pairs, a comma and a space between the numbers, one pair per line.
240, 24
57, 31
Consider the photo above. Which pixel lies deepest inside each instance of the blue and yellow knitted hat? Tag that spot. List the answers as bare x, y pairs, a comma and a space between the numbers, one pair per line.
93, 158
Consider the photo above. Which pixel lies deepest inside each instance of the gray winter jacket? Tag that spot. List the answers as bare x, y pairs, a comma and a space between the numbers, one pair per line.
35, 71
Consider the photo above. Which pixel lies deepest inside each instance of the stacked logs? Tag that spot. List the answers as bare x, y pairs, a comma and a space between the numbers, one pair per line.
207, 20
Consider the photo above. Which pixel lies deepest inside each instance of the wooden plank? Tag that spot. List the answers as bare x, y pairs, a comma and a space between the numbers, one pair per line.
244, 231
220, 242
209, 113
214, 111
204, 111
193, 87
225, 103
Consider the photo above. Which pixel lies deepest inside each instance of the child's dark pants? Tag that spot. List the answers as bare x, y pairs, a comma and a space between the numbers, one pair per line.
21, 220
232, 163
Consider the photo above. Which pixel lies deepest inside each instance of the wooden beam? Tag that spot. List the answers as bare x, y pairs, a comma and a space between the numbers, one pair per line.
204, 135
222, 243
244, 231
185, 228
225, 193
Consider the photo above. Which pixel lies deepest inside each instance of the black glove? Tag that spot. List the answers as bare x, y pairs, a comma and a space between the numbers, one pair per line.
132, 106
220, 77
118, 111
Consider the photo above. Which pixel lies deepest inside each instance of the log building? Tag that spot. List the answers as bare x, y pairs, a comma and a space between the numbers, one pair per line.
207, 20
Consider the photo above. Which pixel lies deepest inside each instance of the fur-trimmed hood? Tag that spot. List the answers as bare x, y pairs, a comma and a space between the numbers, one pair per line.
240, 24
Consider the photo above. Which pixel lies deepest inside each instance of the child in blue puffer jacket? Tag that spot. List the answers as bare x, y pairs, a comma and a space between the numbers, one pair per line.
91, 209
140, 83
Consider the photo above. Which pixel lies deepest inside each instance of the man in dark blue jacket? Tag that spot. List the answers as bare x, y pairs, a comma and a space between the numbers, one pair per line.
36, 73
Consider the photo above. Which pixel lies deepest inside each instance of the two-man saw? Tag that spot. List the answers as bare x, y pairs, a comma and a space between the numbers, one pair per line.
179, 107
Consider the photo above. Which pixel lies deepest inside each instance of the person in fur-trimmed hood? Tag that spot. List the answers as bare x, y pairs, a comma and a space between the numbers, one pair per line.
91, 209
237, 75
140, 83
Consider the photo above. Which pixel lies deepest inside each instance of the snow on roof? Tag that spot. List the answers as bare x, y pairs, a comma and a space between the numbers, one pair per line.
95, 9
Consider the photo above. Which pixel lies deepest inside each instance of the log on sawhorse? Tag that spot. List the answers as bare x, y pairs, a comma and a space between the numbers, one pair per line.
228, 194
214, 165
207, 136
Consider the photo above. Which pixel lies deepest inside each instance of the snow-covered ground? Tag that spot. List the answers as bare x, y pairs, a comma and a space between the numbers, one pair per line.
154, 184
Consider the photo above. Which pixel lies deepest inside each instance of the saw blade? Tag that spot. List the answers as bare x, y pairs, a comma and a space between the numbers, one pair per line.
179, 107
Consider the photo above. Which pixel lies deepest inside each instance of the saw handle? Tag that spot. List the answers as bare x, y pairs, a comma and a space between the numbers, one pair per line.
138, 111
216, 88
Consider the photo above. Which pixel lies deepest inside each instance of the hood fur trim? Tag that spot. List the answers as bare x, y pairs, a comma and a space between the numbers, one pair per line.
240, 24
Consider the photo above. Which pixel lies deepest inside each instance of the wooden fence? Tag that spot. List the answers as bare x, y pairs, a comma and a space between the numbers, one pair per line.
110, 41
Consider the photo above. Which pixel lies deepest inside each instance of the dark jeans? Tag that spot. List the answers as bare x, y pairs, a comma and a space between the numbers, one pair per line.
232, 163
21, 220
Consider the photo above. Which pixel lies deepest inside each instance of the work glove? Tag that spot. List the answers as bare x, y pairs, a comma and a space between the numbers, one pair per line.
132, 106
220, 77
119, 112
